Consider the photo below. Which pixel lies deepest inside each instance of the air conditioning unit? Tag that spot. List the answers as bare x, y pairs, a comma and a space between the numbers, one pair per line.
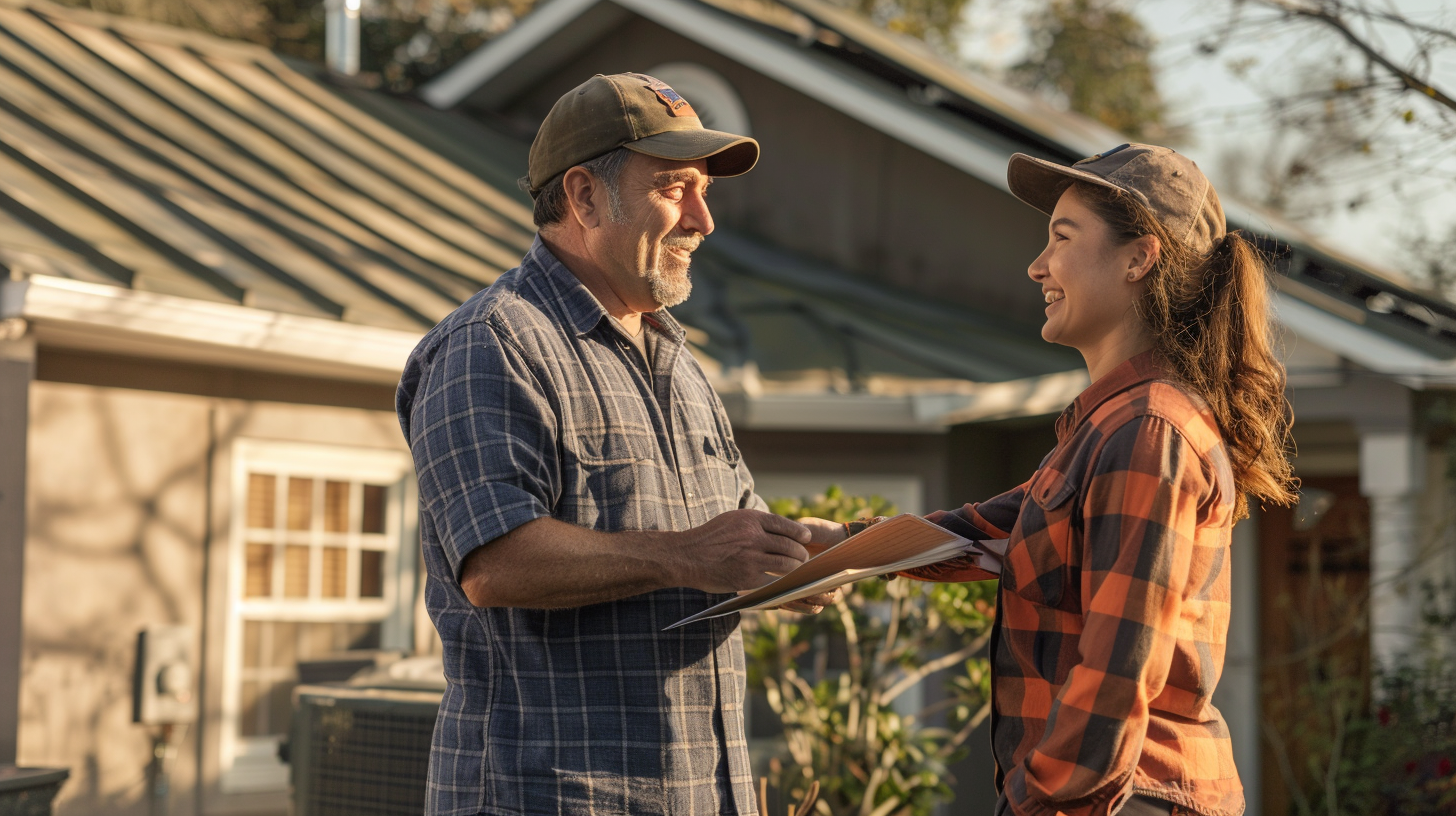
360, 751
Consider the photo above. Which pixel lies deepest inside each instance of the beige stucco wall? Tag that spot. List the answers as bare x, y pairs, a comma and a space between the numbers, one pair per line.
116, 507
119, 537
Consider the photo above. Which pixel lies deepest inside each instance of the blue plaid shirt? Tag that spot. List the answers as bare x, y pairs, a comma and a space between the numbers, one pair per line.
528, 402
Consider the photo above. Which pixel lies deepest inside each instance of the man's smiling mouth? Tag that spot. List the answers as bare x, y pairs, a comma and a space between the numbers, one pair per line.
1054, 296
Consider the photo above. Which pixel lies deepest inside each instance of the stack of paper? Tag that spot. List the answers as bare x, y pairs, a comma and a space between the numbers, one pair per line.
904, 542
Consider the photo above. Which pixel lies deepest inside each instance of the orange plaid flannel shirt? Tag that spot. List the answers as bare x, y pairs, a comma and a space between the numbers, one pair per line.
1114, 606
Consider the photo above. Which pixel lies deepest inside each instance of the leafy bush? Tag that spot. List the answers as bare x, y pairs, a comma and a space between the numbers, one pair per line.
839, 683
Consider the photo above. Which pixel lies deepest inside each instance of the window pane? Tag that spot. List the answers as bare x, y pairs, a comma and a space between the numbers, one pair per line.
258, 582
371, 574
300, 504
248, 724
280, 708
361, 635
319, 639
373, 516
295, 571
336, 572
336, 507
285, 646
252, 646
262, 498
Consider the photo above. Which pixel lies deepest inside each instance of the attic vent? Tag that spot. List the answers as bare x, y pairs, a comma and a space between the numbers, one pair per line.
711, 95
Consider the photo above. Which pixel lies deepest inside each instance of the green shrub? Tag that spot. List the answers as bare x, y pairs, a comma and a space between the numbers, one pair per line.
844, 719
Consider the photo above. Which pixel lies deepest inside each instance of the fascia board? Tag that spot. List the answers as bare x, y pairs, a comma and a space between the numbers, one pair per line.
1360, 345
499, 55
72, 314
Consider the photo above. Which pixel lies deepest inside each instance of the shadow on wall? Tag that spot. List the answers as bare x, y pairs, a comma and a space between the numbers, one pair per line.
117, 502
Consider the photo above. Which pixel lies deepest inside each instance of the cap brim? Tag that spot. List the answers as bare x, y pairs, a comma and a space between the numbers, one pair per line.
1041, 183
727, 154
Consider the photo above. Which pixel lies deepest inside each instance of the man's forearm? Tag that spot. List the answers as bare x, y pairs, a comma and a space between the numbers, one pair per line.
549, 564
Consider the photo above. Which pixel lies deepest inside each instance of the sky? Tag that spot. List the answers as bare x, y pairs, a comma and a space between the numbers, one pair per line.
1405, 188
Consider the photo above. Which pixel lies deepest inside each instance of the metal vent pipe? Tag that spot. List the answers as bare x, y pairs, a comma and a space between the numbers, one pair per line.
341, 36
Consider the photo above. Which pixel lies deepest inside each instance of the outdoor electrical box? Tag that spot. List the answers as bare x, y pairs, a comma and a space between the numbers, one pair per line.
164, 688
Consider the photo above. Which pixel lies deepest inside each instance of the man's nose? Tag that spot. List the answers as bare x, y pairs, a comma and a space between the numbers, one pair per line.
695, 216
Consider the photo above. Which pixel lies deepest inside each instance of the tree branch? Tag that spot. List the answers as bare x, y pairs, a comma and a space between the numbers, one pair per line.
934, 666
1374, 54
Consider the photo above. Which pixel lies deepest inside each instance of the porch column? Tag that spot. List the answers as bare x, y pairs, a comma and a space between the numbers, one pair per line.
1391, 477
1237, 695
17, 366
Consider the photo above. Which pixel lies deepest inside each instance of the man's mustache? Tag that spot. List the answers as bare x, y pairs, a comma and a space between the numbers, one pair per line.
688, 242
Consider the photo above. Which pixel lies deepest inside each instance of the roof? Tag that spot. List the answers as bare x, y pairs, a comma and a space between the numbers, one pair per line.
895, 84
156, 160
169, 194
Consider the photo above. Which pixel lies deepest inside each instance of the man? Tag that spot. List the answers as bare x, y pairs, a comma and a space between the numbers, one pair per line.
580, 489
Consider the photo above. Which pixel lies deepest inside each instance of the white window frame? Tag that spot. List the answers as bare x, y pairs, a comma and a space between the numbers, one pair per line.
250, 764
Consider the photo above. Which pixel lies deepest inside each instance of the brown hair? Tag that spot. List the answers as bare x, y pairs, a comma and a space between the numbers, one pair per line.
1209, 318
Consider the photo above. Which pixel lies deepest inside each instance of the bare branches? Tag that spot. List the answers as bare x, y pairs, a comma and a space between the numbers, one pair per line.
1327, 14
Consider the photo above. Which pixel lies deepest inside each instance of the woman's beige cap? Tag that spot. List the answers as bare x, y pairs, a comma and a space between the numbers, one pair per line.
635, 111
1170, 185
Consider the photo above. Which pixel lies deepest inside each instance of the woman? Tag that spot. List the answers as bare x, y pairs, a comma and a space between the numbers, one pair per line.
1114, 596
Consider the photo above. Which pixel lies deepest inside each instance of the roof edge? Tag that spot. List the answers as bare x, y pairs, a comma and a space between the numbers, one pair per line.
71, 314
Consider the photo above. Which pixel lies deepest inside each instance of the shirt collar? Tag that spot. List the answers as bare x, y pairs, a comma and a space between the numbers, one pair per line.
1132, 372
583, 311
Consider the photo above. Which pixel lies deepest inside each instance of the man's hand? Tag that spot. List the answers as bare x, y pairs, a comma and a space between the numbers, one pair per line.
742, 549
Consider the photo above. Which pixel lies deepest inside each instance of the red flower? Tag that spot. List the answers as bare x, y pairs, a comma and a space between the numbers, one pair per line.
1410, 767
1383, 715
1443, 768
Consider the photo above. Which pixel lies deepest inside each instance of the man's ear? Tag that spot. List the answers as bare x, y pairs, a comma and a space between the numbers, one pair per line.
581, 187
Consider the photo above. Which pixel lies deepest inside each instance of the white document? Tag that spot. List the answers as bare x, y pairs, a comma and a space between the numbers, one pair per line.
904, 542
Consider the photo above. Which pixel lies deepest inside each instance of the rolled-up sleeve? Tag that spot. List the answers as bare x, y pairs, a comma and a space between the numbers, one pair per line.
484, 438
1139, 513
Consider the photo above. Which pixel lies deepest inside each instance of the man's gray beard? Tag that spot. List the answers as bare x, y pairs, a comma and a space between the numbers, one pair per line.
669, 281
669, 288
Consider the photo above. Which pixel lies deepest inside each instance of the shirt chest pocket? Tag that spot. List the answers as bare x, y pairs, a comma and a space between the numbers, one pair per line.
1046, 560
614, 448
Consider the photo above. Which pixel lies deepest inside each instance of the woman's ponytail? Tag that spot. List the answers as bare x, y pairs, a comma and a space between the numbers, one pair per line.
1209, 318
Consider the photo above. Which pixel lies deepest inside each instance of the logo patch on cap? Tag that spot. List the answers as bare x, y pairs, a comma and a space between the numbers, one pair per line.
676, 105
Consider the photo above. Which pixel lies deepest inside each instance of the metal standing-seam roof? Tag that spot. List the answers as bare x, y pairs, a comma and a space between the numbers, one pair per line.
211, 194
163, 161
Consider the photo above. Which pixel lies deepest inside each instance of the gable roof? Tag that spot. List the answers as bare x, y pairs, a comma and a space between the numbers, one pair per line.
1375, 318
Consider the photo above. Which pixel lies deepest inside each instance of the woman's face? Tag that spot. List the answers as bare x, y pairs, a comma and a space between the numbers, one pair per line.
1090, 282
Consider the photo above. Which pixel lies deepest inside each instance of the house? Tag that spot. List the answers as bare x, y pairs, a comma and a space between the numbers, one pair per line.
883, 170
218, 261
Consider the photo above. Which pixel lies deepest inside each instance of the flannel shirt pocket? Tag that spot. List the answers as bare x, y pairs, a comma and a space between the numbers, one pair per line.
1044, 565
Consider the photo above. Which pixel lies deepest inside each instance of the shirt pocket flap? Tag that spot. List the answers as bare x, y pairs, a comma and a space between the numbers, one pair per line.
1051, 489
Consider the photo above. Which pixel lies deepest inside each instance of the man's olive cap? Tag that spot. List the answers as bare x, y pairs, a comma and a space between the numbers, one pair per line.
635, 111
1170, 185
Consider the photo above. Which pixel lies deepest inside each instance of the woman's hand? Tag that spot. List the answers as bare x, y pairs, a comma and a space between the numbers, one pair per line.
814, 604
824, 534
